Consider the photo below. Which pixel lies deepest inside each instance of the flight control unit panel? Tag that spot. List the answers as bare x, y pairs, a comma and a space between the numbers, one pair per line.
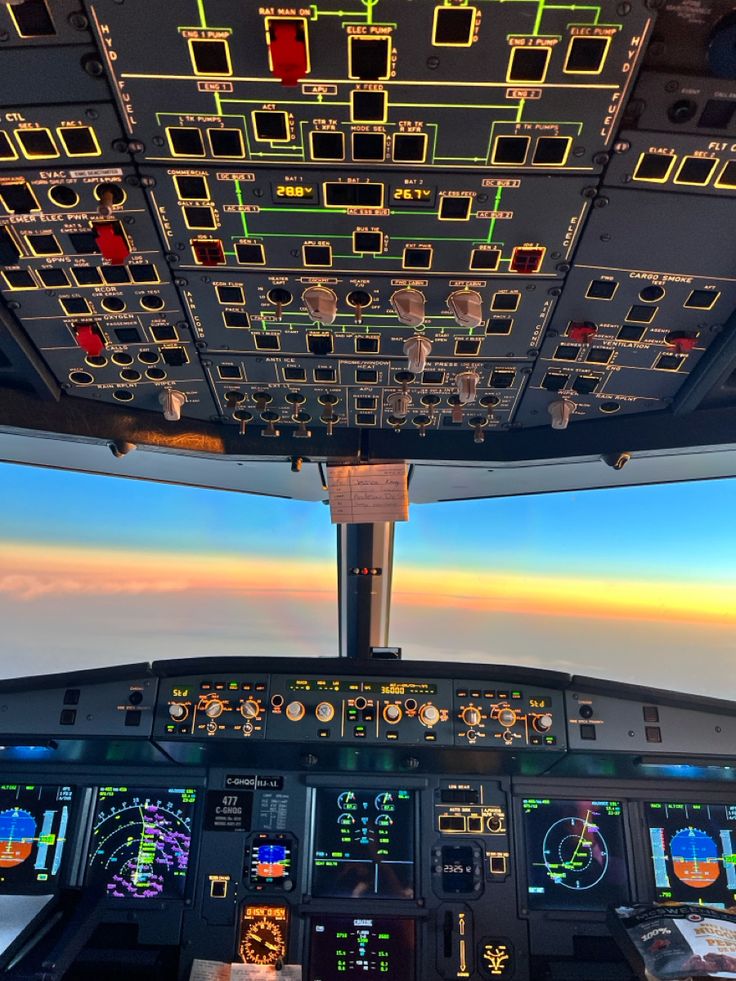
442, 218
356, 820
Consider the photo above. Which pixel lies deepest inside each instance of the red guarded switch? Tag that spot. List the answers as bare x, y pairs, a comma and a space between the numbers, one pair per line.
287, 47
89, 339
682, 341
111, 243
581, 331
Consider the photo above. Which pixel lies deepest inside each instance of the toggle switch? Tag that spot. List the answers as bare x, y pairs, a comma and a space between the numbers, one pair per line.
417, 349
408, 306
489, 402
560, 412
262, 399
359, 300
329, 419
111, 242
295, 400
457, 408
287, 47
466, 306
243, 417
321, 304
396, 422
399, 403
270, 418
107, 200
302, 418
421, 422
479, 423
172, 402
88, 337
466, 383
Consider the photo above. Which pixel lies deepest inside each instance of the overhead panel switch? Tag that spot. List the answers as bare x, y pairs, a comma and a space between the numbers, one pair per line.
466, 306
417, 349
321, 304
408, 305
287, 49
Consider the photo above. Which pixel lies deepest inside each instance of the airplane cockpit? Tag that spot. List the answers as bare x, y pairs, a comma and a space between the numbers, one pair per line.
367, 488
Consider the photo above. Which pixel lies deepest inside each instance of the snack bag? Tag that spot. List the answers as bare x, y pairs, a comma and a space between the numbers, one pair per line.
677, 941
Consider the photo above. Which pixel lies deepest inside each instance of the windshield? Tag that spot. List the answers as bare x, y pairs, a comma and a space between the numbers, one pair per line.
634, 583
102, 570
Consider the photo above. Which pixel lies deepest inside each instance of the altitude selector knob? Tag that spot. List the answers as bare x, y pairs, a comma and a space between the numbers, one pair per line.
392, 714
325, 712
250, 709
471, 716
543, 723
429, 715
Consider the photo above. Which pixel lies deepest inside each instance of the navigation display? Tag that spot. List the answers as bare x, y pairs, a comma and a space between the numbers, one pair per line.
344, 948
692, 851
140, 842
575, 854
34, 824
363, 844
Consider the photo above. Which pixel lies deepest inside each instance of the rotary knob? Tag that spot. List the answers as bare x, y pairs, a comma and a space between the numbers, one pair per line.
495, 824
507, 717
177, 711
250, 709
471, 716
392, 714
214, 709
324, 712
543, 723
408, 306
321, 304
295, 711
429, 715
466, 306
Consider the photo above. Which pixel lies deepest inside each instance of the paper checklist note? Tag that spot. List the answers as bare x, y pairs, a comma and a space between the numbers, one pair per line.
368, 493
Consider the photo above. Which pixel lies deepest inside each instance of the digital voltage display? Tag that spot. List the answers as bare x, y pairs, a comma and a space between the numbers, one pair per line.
363, 844
34, 825
366, 948
575, 854
295, 193
693, 852
413, 196
140, 842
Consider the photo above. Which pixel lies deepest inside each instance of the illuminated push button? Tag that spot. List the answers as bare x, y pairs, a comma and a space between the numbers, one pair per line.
408, 306
321, 304
581, 331
429, 715
177, 711
471, 716
324, 712
214, 709
392, 714
287, 48
294, 711
250, 709
466, 306
543, 723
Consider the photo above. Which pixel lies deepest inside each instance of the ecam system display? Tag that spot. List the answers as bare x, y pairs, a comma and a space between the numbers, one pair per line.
363, 843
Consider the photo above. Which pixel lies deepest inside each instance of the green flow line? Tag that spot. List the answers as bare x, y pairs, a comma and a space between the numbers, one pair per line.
239, 196
497, 201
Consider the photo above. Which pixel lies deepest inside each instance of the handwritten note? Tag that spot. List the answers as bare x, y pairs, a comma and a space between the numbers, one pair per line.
217, 971
209, 971
367, 494
254, 972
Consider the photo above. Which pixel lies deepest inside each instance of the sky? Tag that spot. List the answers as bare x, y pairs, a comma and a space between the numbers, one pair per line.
636, 584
